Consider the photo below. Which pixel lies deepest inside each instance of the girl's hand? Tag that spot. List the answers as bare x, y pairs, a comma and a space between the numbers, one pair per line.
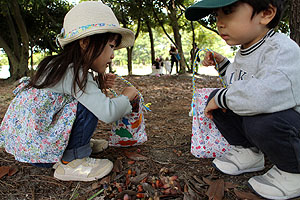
130, 92
209, 60
109, 80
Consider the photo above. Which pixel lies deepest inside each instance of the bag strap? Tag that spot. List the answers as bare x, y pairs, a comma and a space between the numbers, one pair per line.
146, 106
192, 112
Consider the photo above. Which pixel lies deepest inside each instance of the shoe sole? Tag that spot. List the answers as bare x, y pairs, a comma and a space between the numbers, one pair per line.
107, 170
273, 197
241, 171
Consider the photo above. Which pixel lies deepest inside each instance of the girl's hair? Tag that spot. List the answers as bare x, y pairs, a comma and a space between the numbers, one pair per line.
53, 68
260, 5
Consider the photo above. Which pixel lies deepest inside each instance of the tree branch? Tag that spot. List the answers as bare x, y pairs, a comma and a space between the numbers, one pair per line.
162, 26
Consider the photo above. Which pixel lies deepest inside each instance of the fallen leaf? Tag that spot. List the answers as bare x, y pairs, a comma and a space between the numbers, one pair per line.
105, 180
139, 178
229, 185
135, 156
207, 181
131, 162
216, 190
117, 166
149, 189
12, 170
246, 195
4, 170
199, 180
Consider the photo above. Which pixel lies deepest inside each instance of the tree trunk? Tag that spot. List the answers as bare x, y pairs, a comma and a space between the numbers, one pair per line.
295, 21
17, 49
177, 37
129, 59
151, 42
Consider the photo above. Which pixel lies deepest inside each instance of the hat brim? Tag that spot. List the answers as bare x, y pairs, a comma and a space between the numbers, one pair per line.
127, 40
205, 7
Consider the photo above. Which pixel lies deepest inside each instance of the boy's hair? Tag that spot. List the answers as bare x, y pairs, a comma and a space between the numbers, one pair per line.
260, 5
53, 68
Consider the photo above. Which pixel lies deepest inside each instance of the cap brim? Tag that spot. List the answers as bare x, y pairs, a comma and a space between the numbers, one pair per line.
127, 40
205, 7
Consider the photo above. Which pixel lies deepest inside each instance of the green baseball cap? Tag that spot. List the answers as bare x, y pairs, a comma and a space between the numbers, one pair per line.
204, 7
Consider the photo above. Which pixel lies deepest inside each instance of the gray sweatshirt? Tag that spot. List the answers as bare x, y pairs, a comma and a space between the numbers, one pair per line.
263, 78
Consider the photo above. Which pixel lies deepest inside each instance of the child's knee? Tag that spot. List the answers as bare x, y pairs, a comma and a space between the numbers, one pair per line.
258, 128
268, 127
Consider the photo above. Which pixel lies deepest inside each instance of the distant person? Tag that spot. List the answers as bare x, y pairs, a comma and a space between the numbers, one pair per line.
156, 67
161, 62
54, 114
173, 52
259, 111
167, 65
193, 54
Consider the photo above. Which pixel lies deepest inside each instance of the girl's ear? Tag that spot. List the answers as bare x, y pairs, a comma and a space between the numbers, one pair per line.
268, 14
84, 42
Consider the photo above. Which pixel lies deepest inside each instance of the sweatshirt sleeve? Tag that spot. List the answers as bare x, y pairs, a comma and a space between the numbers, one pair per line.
223, 66
271, 89
105, 109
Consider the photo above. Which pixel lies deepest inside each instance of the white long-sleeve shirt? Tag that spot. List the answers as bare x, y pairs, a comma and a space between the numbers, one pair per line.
105, 109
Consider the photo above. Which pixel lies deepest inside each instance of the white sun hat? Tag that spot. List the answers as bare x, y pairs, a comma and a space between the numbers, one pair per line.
89, 18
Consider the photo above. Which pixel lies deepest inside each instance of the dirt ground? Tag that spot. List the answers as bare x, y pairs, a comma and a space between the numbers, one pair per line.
161, 168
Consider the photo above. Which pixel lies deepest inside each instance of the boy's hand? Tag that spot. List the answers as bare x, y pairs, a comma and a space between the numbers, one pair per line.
109, 80
209, 60
209, 108
130, 92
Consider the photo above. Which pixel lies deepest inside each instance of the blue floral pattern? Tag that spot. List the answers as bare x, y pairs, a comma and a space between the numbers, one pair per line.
37, 125
86, 27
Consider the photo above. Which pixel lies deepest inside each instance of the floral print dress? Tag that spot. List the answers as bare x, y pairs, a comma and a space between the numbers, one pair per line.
37, 125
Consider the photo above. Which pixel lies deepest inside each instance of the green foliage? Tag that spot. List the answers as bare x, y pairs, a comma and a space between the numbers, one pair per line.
141, 51
43, 19
3, 59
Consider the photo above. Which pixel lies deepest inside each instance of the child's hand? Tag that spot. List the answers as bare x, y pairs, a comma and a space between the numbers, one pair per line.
130, 92
210, 107
109, 80
209, 60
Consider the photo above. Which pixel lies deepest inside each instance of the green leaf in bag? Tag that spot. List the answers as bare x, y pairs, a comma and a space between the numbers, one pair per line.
122, 132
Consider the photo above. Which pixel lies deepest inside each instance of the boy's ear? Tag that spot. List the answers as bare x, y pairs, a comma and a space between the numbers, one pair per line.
84, 42
268, 14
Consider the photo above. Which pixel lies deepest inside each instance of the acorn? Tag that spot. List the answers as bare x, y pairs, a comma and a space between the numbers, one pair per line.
140, 195
126, 197
140, 188
173, 178
158, 183
167, 191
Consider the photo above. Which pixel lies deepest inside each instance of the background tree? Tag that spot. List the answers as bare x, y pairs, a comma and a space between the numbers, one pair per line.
29, 25
127, 11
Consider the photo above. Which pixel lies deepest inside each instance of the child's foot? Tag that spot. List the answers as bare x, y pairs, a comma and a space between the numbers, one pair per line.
98, 145
239, 160
85, 169
276, 184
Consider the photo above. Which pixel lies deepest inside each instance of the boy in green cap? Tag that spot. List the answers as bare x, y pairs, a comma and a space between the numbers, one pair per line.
259, 110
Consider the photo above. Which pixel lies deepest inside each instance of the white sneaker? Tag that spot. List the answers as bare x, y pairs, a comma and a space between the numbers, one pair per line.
276, 184
240, 160
85, 169
98, 145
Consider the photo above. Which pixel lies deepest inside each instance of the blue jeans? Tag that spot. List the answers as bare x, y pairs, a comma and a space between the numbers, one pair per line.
277, 134
79, 141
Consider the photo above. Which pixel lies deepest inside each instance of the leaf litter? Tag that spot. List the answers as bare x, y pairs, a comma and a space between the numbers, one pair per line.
162, 168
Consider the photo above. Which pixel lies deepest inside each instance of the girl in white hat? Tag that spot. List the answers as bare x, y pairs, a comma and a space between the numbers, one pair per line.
54, 114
